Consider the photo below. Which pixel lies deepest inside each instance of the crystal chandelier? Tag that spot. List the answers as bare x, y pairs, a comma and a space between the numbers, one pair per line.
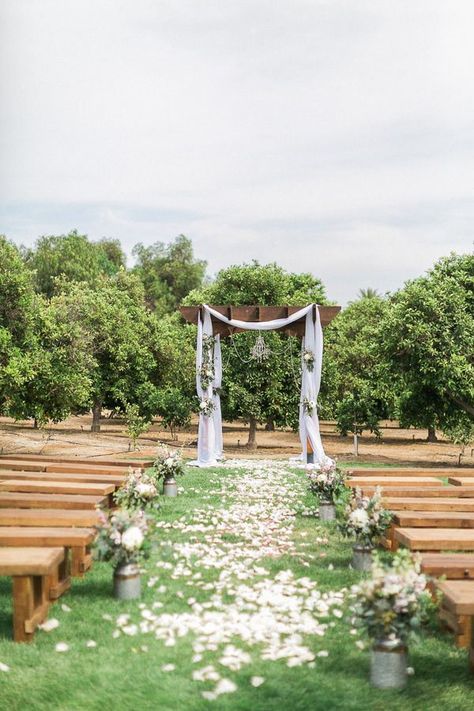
260, 351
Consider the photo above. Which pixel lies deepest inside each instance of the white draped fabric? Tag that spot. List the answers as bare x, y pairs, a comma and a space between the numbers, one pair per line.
210, 425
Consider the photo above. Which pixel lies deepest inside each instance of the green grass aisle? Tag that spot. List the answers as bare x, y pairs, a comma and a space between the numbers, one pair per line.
242, 608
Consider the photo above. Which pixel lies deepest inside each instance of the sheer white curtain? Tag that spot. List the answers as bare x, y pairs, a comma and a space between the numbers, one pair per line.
210, 424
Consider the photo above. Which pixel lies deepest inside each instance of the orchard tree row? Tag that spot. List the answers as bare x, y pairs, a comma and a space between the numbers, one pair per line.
79, 331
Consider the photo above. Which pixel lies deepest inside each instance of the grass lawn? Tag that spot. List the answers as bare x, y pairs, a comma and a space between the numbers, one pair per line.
125, 672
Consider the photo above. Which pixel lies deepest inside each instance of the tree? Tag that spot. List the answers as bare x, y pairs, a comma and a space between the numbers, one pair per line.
429, 344
266, 391
17, 325
168, 272
354, 386
119, 329
72, 257
368, 293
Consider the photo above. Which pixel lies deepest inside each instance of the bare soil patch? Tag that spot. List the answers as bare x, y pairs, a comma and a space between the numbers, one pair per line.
73, 438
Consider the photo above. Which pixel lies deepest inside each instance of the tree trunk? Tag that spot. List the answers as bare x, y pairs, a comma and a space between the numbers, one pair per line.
252, 442
35, 423
270, 426
96, 415
432, 435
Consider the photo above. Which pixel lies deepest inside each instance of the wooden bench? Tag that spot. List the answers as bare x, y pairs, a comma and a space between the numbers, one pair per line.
31, 570
40, 458
24, 465
10, 499
417, 503
428, 491
457, 611
115, 479
49, 517
414, 482
56, 487
435, 539
453, 566
444, 472
461, 481
427, 519
77, 540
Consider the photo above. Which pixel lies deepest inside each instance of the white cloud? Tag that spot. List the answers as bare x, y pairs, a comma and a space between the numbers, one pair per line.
332, 136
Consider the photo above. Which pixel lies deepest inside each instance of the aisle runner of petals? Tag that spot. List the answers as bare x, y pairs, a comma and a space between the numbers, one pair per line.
278, 616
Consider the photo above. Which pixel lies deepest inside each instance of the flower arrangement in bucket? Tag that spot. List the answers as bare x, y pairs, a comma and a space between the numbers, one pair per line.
391, 606
138, 492
122, 540
167, 466
327, 484
364, 519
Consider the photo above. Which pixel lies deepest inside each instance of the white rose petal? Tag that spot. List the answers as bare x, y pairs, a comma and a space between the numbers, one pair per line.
49, 625
91, 644
257, 681
62, 647
4, 667
168, 667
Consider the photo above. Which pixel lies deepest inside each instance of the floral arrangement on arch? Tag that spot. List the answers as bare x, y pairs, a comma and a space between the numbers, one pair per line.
364, 518
309, 406
122, 537
167, 465
206, 406
309, 358
206, 372
395, 602
137, 492
327, 482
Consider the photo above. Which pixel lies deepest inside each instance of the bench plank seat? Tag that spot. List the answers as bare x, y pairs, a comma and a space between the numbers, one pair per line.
454, 566
56, 487
71, 468
413, 471
461, 481
433, 519
457, 611
10, 499
429, 491
31, 570
135, 463
417, 503
78, 540
435, 539
418, 481
115, 479
48, 517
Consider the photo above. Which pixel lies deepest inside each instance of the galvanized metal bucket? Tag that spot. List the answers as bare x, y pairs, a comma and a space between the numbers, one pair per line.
362, 558
127, 582
388, 669
327, 511
170, 488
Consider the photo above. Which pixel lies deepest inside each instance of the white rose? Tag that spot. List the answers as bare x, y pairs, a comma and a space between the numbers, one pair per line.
132, 538
147, 490
169, 461
359, 518
202, 405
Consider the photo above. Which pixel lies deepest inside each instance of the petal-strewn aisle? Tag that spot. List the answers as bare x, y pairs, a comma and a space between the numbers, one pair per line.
237, 608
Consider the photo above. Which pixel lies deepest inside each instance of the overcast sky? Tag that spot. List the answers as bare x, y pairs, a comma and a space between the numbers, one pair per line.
333, 136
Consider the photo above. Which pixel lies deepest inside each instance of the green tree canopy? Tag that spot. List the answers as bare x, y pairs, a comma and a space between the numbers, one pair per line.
168, 272
429, 343
267, 391
73, 257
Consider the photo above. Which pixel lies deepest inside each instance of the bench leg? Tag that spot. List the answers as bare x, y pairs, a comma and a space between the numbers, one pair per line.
81, 560
60, 580
30, 605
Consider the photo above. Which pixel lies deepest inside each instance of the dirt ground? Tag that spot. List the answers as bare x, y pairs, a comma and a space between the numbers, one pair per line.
73, 438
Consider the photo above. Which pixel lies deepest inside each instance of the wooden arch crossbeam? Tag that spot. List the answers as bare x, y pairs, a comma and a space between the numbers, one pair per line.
257, 314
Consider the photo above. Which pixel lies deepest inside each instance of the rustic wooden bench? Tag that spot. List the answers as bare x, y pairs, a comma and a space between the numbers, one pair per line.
453, 566
428, 491
414, 482
435, 539
461, 481
417, 503
10, 499
457, 612
115, 479
56, 487
31, 570
413, 471
135, 463
77, 540
86, 518
71, 468
427, 519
